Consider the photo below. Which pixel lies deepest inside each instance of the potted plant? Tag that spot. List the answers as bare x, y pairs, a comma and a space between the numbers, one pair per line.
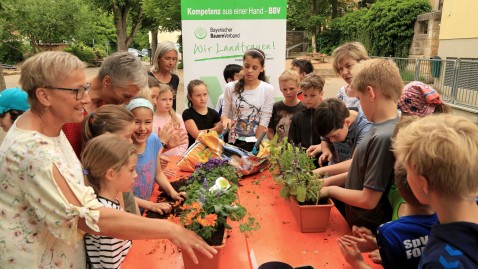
292, 169
211, 202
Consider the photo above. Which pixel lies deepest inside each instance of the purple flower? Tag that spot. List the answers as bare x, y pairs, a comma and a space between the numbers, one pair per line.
296, 161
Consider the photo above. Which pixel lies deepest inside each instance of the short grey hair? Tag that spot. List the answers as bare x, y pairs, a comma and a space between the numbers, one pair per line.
124, 69
45, 69
161, 49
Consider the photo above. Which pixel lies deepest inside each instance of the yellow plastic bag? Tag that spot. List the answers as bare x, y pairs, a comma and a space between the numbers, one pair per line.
207, 145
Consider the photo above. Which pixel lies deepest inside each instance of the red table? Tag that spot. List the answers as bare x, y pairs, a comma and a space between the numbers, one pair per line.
279, 237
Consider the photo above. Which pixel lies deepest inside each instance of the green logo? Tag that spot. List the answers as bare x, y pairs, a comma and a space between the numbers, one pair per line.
200, 33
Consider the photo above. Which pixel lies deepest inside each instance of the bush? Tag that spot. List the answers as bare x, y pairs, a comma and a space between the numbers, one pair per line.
86, 54
11, 52
101, 51
385, 29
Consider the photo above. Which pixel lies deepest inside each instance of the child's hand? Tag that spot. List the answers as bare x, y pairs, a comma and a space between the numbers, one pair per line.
164, 162
176, 137
325, 157
218, 127
227, 123
313, 150
169, 173
360, 231
363, 238
169, 135
375, 256
165, 133
351, 253
178, 196
365, 244
324, 191
161, 208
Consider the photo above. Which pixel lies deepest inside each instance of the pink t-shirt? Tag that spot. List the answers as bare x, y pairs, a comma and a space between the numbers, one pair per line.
183, 146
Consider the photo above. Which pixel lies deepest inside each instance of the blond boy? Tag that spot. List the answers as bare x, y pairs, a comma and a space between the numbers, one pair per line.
283, 111
377, 84
301, 128
440, 154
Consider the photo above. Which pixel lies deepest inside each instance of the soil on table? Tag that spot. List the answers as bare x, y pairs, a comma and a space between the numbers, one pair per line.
322, 201
165, 198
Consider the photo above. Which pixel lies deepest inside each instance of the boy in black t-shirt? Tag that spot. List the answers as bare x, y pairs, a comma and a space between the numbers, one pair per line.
283, 111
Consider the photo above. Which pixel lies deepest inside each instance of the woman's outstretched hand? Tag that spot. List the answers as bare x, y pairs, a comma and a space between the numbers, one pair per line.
190, 243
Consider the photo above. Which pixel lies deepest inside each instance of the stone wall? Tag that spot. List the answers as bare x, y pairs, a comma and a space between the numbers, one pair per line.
426, 38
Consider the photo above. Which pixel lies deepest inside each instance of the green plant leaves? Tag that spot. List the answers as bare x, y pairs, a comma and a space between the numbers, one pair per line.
292, 169
222, 203
301, 193
284, 191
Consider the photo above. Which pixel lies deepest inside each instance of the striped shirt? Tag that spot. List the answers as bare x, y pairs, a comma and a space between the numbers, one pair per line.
103, 251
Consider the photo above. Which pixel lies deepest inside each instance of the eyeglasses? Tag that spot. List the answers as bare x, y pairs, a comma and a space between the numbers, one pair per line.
80, 92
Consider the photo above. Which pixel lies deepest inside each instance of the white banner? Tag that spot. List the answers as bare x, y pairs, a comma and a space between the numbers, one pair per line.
217, 33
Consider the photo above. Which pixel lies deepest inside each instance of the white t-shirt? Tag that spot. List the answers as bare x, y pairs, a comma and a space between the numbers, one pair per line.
349, 101
249, 109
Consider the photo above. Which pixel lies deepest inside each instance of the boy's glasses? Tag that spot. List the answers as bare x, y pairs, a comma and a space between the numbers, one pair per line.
80, 92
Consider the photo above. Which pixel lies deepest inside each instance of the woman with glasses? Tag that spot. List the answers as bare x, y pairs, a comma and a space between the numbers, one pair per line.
13, 102
45, 207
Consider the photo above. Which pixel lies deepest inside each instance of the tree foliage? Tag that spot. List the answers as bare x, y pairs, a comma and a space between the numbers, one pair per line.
314, 16
164, 15
49, 21
386, 28
126, 14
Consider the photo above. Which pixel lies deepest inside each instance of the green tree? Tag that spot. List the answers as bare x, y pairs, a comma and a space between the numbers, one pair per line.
163, 16
314, 16
391, 25
126, 14
100, 31
49, 21
386, 28
11, 43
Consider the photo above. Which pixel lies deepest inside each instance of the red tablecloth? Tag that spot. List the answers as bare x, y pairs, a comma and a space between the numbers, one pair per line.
279, 238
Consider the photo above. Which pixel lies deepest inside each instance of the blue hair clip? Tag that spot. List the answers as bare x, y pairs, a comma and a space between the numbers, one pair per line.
85, 172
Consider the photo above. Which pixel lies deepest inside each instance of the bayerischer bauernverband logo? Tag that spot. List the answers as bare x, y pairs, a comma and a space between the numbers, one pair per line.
200, 33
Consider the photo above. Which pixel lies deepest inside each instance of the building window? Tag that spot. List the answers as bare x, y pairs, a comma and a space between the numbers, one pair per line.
423, 27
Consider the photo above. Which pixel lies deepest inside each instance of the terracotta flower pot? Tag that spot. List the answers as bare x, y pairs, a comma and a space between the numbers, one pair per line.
205, 262
311, 218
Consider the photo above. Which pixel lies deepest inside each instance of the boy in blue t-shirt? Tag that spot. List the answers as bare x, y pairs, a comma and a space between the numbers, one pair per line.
341, 129
439, 154
401, 242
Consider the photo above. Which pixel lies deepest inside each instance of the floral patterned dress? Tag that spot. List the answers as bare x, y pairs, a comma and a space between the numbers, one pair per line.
38, 227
